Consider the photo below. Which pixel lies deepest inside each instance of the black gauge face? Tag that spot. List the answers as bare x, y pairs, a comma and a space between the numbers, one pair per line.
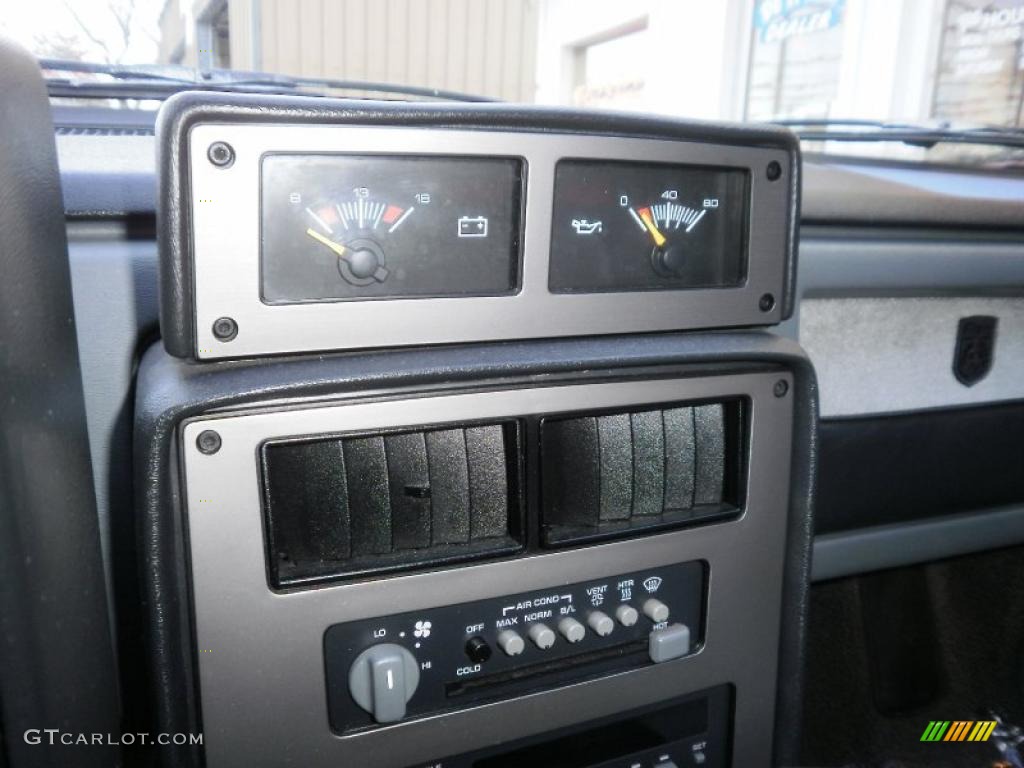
361, 226
630, 227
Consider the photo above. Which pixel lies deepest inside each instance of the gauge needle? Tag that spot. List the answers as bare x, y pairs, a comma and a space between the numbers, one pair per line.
645, 217
338, 248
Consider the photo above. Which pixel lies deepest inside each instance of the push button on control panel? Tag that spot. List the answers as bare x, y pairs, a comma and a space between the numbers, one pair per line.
542, 636
571, 629
627, 615
449, 657
510, 642
655, 610
601, 623
669, 643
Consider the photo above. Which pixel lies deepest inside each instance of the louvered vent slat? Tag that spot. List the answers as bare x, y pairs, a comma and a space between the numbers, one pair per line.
613, 474
360, 504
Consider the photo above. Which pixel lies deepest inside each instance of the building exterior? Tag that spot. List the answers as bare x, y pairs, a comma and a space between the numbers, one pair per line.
887, 60
485, 47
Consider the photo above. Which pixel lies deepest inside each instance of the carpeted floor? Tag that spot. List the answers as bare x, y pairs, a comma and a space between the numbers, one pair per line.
947, 643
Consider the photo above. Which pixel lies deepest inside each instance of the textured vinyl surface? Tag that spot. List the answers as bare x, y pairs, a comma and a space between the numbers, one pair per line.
886, 355
709, 453
680, 449
446, 453
615, 436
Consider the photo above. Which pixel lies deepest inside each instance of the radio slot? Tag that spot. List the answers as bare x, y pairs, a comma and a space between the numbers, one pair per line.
634, 651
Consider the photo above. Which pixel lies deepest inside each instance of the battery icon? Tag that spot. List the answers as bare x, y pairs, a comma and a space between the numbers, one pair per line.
472, 226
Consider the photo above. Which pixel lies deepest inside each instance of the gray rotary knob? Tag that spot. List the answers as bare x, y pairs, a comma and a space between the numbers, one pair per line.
382, 679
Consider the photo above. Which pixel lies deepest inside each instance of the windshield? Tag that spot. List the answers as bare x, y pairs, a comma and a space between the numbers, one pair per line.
946, 64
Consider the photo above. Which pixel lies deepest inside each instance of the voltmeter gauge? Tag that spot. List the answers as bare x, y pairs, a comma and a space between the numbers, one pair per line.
360, 227
632, 226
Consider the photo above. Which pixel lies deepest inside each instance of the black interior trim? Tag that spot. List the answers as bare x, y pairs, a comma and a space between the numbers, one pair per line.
57, 663
898, 469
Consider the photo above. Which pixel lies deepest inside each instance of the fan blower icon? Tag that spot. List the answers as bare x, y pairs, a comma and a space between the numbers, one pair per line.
422, 629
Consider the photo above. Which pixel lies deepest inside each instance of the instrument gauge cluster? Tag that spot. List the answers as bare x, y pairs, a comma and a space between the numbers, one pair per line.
342, 225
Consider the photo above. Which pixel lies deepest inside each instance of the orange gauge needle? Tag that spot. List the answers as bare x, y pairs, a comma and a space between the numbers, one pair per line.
645, 217
338, 248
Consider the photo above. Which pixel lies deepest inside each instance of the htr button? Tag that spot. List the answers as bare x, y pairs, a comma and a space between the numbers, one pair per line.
627, 615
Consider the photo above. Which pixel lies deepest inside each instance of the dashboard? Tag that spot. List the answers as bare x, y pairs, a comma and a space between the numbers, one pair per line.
560, 226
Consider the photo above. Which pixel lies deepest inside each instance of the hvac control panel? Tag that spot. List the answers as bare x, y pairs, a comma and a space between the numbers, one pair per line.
387, 669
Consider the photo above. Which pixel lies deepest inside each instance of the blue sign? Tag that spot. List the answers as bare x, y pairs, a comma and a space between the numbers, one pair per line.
778, 20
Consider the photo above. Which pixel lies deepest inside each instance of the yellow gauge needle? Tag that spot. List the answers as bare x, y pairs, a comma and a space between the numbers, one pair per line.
645, 216
338, 248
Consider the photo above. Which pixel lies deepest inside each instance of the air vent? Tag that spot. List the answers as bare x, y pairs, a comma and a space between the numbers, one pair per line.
380, 502
612, 474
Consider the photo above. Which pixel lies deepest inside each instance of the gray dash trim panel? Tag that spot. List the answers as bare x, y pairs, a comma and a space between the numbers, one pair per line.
226, 258
262, 680
889, 546
886, 355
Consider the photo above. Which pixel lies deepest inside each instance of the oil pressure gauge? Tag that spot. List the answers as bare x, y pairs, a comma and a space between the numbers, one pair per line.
632, 226
667, 224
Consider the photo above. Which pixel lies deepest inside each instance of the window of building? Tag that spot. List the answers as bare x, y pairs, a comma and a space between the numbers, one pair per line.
795, 57
610, 71
980, 73
213, 36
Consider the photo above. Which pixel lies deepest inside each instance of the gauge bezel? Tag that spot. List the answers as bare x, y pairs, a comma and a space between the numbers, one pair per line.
515, 245
225, 260
654, 171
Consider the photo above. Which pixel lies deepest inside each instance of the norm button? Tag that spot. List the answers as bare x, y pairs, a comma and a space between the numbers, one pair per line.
542, 636
656, 611
510, 642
